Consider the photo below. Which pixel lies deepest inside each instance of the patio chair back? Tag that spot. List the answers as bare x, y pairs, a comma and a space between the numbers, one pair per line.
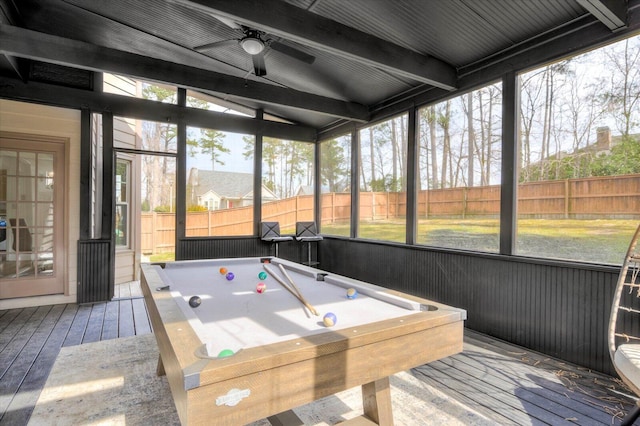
624, 323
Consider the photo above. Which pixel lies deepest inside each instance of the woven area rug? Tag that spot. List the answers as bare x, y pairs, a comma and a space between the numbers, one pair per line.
114, 382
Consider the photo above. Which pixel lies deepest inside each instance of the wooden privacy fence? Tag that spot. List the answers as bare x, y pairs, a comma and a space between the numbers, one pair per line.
158, 229
588, 198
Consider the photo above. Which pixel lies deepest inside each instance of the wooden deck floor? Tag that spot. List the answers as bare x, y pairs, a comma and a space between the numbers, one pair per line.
505, 383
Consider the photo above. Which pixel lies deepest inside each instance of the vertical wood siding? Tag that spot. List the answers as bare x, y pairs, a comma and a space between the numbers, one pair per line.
95, 271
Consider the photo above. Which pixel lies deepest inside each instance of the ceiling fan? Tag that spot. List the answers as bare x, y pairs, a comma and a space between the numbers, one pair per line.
254, 43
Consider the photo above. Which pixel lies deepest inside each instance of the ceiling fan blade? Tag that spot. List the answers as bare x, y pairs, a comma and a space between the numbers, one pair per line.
258, 64
228, 22
294, 53
215, 44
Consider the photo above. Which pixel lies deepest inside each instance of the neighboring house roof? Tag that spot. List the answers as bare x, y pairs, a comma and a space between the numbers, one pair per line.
305, 190
226, 185
603, 144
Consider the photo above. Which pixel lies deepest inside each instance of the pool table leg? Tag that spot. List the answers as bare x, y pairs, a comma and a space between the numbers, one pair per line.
376, 401
287, 418
160, 368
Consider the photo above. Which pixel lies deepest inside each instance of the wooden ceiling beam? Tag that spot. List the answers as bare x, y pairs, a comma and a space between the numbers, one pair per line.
29, 44
145, 109
293, 23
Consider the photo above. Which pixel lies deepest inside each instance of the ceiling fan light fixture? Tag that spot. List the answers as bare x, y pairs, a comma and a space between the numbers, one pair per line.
252, 45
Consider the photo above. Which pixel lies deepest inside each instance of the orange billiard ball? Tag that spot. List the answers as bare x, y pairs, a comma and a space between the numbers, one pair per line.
223, 271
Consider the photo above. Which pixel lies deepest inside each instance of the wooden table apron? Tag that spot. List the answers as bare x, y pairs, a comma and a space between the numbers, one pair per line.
287, 374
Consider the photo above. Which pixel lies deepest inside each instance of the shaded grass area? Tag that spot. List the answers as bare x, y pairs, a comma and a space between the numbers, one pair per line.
162, 257
589, 240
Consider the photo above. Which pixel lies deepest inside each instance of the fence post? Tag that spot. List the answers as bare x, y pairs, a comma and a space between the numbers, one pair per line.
333, 207
387, 204
465, 194
153, 232
426, 203
566, 198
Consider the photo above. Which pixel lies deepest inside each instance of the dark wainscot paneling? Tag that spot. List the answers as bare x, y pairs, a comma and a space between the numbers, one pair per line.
214, 248
95, 271
559, 309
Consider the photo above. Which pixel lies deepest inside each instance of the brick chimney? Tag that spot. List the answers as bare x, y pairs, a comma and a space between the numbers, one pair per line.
603, 139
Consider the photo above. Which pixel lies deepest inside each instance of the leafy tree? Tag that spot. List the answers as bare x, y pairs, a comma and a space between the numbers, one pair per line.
211, 143
623, 159
334, 171
196, 208
158, 171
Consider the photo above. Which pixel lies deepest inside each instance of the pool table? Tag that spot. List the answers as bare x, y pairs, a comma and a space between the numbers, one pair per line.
241, 355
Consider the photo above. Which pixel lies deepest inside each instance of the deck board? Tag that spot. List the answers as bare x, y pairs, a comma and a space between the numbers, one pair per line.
111, 320
540, 405
140, 316
21, 406
78, 326
93, 333
28, 346
506, 383
551, 393
20, 336
126, 326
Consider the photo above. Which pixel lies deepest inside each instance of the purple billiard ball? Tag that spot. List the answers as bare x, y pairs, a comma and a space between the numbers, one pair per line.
230, 276
329, 319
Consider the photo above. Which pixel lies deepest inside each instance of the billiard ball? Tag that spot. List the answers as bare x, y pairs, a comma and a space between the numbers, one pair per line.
195, 301
225, 353
262, 275
329, 319
352, 293
230, 276
261, 287
223, 271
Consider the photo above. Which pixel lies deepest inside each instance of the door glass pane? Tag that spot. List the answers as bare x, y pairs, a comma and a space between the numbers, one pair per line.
122, 202
26, 213
26, 163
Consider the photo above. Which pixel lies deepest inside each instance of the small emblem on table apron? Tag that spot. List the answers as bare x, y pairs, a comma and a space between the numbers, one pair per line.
233, 397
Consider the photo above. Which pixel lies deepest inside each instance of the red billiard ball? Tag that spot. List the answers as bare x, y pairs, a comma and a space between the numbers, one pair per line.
261, 288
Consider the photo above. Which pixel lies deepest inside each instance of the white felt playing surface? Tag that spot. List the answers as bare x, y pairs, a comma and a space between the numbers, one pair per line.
234, 316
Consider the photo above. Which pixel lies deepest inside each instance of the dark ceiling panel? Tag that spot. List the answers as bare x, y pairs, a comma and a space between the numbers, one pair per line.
468, 34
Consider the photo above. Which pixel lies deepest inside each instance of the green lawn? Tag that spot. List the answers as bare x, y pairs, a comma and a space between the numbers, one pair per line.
162, 257
600, 241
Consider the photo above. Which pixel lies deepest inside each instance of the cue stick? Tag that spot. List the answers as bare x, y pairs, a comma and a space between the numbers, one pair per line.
286, 286
295, 287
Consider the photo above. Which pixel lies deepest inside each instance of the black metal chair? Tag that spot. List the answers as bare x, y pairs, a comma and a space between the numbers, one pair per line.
306, 232
270, 232
624, 325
